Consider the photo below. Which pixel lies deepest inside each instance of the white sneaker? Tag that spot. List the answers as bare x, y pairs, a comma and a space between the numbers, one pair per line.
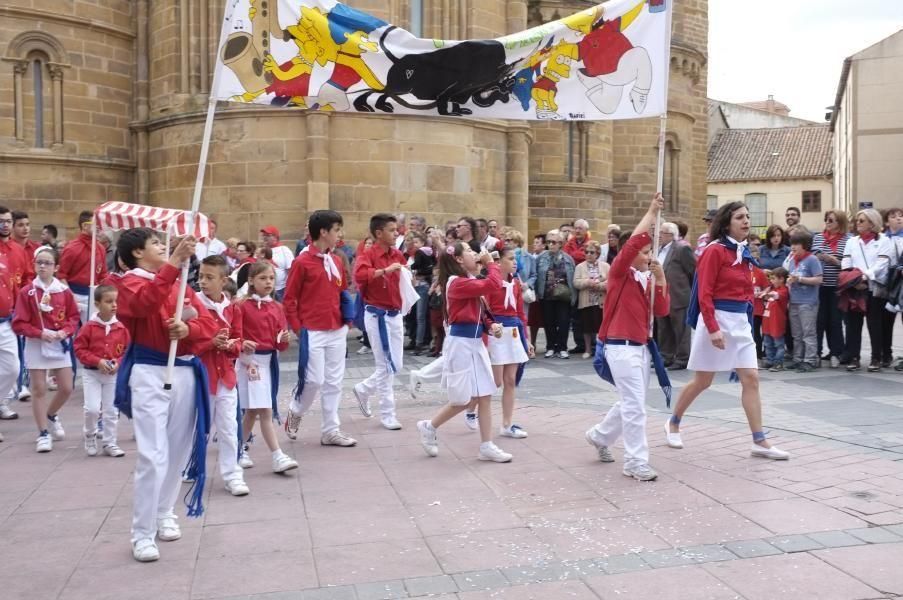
51, 383
364, 350
168, 529
414, 383
550, 354
91, 445
24, 394
113, 450
641, 473
774, 453
603, 451
489, 451
244, 461
6, 413
586, 355
673, 439
515, 431
564, 354
145, 550
835, 362
363, 401
56, 428
237, 487
44, 443
472, 421
283, 462
428, 438
337, 437
292, 424
391, 423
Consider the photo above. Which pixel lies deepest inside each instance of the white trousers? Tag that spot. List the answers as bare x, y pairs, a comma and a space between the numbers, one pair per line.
433, 371
83, 302
9, 361
381, 382
630, 369
325, 370
224, 416
164, 429
99, 390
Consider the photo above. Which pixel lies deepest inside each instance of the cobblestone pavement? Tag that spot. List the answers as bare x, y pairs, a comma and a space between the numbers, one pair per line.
385, 521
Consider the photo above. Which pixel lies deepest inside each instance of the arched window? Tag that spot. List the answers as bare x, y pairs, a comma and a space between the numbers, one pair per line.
36, 71
671, 180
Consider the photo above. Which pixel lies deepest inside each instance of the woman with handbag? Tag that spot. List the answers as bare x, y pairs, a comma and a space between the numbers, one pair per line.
870, 252
555, 290
590, 279
829, 246
47, 316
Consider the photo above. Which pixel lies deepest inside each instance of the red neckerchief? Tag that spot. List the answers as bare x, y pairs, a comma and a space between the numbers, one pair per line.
868, 236
797, 261
832, 240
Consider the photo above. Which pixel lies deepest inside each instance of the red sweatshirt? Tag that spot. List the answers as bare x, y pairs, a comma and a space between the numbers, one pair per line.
220, 364
774, 320
75, 261
577, 250
382, 292
93, 344
760, 280
496, 300
719, 279
29, 247
30, 321
262, 322
311, 296
464, 295
13, 266
145, 304
626, 315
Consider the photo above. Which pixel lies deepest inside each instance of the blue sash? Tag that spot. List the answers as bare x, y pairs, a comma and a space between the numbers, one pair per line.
384, 332
197, 467
6, 319
348, 306
600, 363
507, 321
23, 380
466, 330
81, 290
274, 380
303, 359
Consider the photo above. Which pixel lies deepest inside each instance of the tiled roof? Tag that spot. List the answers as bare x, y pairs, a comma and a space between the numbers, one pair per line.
767, 154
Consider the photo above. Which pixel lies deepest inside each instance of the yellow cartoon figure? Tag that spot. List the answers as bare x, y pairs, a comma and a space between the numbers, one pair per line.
557, 67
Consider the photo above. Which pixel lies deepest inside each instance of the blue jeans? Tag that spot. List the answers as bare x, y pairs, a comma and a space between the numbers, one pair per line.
422, 309
774, 349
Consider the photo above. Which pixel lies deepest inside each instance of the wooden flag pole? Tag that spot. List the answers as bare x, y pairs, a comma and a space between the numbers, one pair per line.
196, 199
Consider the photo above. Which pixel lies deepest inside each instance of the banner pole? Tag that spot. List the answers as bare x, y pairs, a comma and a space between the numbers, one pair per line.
93, 265
196, 199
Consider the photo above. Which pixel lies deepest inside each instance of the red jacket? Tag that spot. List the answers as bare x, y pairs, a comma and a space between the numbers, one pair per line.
30, 321
262, 322
148, 300
220, 364
93, 344
719, 279
626, 314
774, 321
760, 280
312, 299
464, 295
577, 250
75, 261
29, 247
382, 292
496, 300
13, 266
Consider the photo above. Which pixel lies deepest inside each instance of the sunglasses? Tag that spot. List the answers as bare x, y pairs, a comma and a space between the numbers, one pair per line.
829, 220
551, 242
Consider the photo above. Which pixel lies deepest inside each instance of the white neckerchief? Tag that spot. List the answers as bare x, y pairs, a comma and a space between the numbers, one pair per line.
258, 299
54, 287
107, 324
641, 277
510, 302
740, 247
139, 272
219, 307
329, 266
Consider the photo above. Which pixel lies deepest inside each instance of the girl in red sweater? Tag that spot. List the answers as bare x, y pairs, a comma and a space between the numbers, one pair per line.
513, 349
467, 373
47, 316
265, 334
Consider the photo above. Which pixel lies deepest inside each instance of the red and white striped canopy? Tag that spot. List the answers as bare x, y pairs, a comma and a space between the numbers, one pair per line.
122, 215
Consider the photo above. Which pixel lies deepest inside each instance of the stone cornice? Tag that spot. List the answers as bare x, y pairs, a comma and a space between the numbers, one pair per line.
33, 14
570, 185
65, 160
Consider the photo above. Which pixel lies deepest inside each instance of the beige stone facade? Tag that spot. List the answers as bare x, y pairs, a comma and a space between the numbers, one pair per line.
123, 89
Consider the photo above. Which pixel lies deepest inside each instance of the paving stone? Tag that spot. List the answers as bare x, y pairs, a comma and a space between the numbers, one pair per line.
480, 580
340, 592
422, 586
667, 558
534, 574
709, 553
384, 590
752, 548
875, 535
898, 529
835, 539
794, 543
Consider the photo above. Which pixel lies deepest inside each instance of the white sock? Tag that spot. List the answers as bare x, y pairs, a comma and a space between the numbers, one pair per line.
278, 453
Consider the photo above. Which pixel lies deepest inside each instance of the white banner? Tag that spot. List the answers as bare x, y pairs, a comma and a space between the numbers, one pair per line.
606, 62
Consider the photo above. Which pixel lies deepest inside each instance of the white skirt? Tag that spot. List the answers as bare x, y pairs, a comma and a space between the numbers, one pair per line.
467, 372
739, 347
254, 388
35, 359
508, 349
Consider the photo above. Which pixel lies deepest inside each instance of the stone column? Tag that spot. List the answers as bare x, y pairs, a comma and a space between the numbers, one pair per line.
142, 103
317, 160
56, 77
184, 46
19, 69
517, 180
515, 18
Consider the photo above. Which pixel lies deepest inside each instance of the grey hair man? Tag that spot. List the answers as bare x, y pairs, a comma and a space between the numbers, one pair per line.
679, 264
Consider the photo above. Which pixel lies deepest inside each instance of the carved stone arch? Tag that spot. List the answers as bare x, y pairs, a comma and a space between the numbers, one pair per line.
29, 41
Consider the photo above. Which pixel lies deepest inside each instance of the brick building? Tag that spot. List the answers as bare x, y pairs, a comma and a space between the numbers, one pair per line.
104, 100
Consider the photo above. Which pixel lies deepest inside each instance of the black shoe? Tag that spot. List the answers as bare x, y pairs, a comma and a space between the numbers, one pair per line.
421, 350
676, 367
411, 346
899, 366
668, 363
887, 363
805, 368
854, 365
874, 366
